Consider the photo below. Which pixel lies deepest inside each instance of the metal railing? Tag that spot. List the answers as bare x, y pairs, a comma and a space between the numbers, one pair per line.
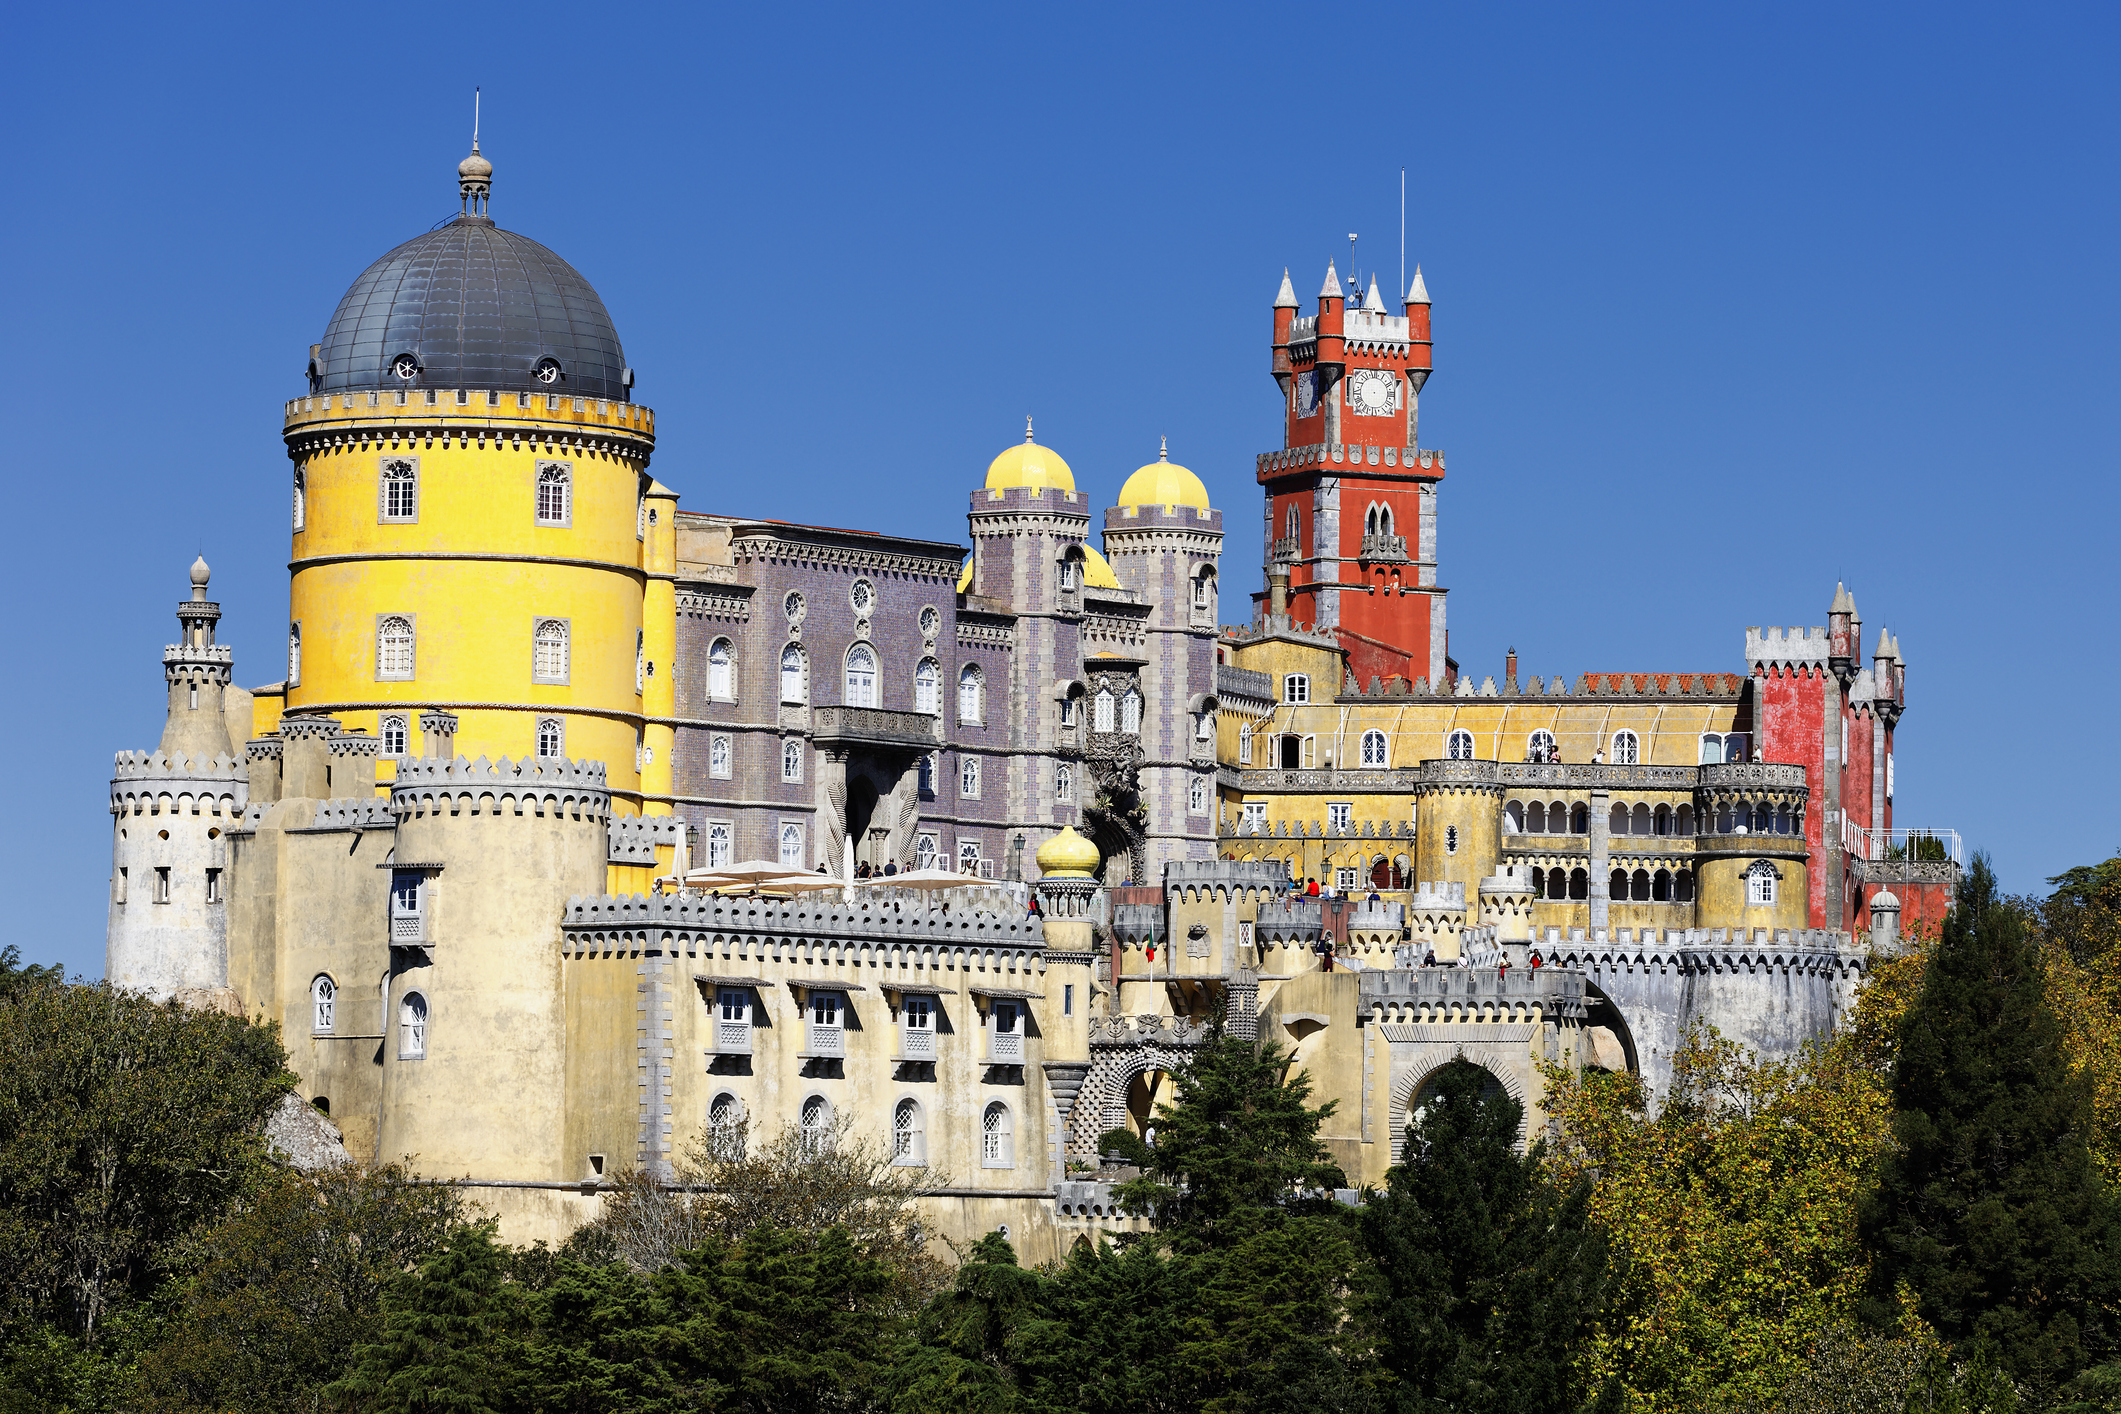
1914, 846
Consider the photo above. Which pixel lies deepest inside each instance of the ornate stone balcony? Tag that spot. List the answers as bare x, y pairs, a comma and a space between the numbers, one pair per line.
1284, 549
1384, 547
876, 727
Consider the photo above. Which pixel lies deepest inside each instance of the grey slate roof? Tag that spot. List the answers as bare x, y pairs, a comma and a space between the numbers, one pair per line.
479, 307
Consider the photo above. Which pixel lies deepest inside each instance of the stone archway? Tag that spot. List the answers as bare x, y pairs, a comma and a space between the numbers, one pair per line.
1412, 1072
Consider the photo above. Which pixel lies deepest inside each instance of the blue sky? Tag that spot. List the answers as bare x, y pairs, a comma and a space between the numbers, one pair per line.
1730, 302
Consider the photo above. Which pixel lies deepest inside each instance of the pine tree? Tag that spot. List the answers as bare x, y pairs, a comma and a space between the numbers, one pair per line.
1492, 1277
1989, 1206
445, 1333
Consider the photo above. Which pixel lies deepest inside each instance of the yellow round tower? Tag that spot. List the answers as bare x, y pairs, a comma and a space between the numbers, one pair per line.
472, 510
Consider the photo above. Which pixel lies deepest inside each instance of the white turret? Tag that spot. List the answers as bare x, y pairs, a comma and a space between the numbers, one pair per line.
172, 808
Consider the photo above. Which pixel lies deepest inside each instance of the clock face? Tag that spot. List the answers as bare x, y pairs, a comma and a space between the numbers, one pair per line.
1373, 392
1307, 393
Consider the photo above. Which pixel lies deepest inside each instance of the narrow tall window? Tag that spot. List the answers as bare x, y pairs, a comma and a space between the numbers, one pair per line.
926, 782
294, 655
1102, 716
908, 1141
817, 1125
924, 848
1293, 524
1627, 749
640, 661
791, 673
548, 651
968, 856
968, 778
412, 1027
721, 677
725, 1117
718, 840
1760, 883
1244, 745
301, 498
719, 752
398, 492
971, 695
1459, 745
1197, 796
1539, 746
555, 493
792, 845
552, 738
394, 660
161, 894
1338, 814
1130, 712
792, 759
392, 736
324, 1002
928, 688
1711, 749
1373, 749
1063, 782
997, 1138
861, 676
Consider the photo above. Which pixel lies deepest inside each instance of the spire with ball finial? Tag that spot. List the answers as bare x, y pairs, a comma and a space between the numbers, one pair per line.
475, 173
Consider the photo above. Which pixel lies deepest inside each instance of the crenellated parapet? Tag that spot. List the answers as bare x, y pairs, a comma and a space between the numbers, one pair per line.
531, 786
1477, 995
361, 812
625, 922
1788, 652
175, 766
158, 783
1198, 880
634, 838
1289, 920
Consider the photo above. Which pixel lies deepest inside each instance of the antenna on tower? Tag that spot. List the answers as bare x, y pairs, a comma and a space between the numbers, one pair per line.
1402, 232
474, 118
1354, 275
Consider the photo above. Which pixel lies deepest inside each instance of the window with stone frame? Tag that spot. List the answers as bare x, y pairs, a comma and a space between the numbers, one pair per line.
394, 648
391, 735
1244, 745
552, 738
720, 751
301, 498
1374, 754
412, 1027
997, 1137
968, 856
1064, 782
1459, 745
971, 695
324, 1004
793, 674
1760, 881
294, 655
1627, 749
555, 493
909, 1134
720, 838
925, 848
549, 655
861, 676
1296, 688
792, 759
1130, 712
1103, 712
1338, 815
792, 844
928, 688
1197, 796
721, 671
398, 490
968, 778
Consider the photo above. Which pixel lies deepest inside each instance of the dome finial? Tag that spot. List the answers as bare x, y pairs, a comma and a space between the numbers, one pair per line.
474, 173
199, 576
1027, 427
1163, 449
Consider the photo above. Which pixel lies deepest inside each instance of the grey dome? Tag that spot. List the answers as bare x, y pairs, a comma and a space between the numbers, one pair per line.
476, 307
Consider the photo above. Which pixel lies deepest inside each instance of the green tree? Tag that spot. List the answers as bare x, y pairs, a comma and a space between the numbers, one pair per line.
1492, 1277
1239, 1140
989, 1345
448, 1337
1989, 1206
292, 1284
127, 1130
17, 976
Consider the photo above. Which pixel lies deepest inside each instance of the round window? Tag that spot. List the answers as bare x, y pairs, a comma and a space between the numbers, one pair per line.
793, 607
547, 371
931, 621
864, 597
405, 368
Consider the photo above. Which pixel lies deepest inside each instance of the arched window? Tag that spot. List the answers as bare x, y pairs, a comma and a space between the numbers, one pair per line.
1101, 718
1711, 748
721, 671
926, 782
861, 676
394, 647
792, 845
1618, 823
640, 660
1535, 818
1071, 571
1197, 796
718, 844
1580, 820
1684, 821
1617, 886
1369, 521
399, 498
1641, 825
1130, 712
1661, 886
1627, 750
1459, 745
928, 688
552, 738
1760, 883
1683, 887
1782, 820
725, 1126
548, 651
1661, 822
817, 1125
1384, 520
412, 1027
1373, 749
1513, 818
1539, 746
792, 674
1557, 884
555, 494
909, 1135
1639, 886
323, 1003
997, 1138
301, 498
1579, 884
391, 736
294, 655
971, 694
1064, 782
792, 759
1204, 591
1244, 745
1295, 523
968, 778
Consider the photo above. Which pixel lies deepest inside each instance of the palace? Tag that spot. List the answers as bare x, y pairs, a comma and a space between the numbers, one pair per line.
461, 853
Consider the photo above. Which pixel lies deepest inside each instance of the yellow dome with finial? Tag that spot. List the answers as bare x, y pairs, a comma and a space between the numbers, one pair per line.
1029, 464
1164, 482
1067, 855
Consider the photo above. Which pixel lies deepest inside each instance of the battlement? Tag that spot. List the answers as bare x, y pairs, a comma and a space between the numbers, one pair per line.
363, 416
596, 923
1478, 995
1045, 498
1787, 647
1147, 1030
1243, 683
218, 655
155, 766
549, 787
1228, 873
1698, 951
361, 812
353, 744
1289, 920
1431, 897
1316, 829
1137, 924
1653, 687
1419, 459
634, 837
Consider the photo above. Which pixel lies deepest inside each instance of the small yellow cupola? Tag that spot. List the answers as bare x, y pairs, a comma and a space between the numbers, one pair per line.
1029, 464
1097, 570
1068, 855
1164, 482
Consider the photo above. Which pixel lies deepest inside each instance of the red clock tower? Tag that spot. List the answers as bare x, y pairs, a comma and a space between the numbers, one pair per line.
1351, 496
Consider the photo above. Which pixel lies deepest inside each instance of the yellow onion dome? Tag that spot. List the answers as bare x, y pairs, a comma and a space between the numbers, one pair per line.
1097, 570
1029, 464
964, 577
1164, 482
1068, 855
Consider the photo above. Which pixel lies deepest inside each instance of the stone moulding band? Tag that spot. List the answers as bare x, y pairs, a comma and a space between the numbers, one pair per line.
615, 566
547, 709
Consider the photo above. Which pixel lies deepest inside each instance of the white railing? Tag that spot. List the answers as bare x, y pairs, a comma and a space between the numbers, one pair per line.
1006, 1048
732, 1037
827, 1040
1913, 845
917, 1043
